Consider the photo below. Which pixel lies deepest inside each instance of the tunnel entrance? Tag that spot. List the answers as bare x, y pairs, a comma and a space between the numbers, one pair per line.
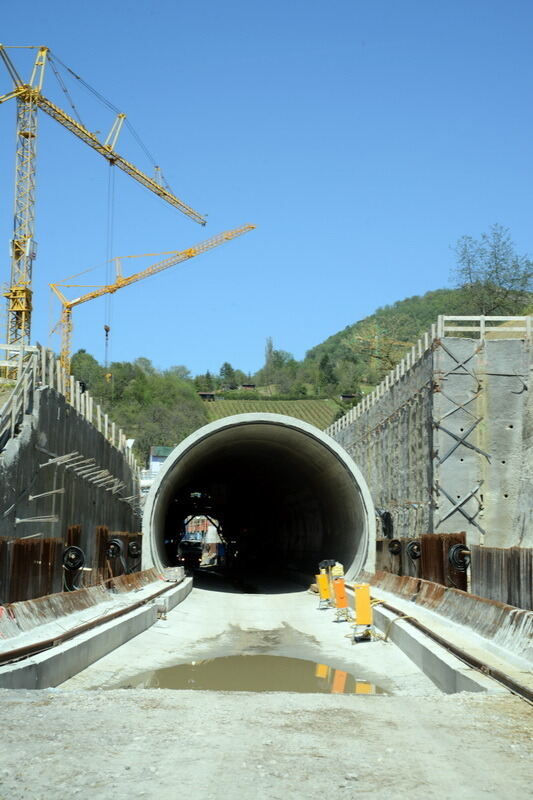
283, 494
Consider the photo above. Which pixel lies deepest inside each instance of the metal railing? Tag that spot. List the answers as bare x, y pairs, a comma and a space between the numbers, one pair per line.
491, 327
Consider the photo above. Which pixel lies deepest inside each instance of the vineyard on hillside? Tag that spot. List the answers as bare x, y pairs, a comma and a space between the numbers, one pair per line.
320, 413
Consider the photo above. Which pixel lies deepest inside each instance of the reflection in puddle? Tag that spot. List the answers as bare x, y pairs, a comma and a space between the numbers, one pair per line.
254, 674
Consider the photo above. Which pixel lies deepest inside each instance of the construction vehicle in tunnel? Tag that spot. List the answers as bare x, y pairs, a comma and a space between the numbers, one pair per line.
190, 550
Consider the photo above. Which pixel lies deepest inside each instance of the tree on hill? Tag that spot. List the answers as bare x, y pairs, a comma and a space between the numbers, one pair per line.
205, 383
227, 376
327, 380
154, 407
87, 369
181, 371
280, 370
159, 409
493, 276
145, 365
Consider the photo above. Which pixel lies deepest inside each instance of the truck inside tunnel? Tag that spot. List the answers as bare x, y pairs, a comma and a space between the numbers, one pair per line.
283, 495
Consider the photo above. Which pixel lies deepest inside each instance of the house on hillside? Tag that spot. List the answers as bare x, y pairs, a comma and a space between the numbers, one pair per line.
158, 454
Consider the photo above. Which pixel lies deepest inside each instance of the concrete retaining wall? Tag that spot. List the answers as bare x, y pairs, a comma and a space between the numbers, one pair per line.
55, 428
445, 443
392, 443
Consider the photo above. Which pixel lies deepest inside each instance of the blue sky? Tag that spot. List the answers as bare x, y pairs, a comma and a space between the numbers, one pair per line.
362, 138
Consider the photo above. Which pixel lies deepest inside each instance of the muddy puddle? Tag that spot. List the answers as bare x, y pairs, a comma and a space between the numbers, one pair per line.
254, 673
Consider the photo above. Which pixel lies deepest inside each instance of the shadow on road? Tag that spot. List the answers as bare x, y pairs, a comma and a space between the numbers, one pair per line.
216, 579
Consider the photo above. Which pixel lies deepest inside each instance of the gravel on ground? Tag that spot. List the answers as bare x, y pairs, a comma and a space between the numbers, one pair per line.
120, 744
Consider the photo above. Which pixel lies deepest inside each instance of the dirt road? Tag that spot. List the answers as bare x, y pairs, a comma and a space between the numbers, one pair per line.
82, 741
161, 743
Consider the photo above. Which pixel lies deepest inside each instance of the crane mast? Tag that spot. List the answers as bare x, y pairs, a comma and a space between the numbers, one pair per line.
29, 100
19, 294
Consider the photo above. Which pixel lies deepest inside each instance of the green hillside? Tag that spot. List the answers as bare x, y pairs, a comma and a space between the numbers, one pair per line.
404, 320
320, 413
162, 407
360, 355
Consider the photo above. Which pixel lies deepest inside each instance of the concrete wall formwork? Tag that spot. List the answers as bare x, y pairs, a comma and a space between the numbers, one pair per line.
446, 442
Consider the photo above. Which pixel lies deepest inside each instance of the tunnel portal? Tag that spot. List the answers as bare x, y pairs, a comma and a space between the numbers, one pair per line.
283, 494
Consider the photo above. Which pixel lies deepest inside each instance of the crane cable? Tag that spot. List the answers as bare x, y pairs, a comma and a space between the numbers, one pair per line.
112, 107
110, 221
110, 230
65, 90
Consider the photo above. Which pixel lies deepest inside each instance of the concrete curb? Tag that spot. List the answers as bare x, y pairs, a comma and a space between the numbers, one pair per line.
446, 671
501, 625
55, 666
166, 602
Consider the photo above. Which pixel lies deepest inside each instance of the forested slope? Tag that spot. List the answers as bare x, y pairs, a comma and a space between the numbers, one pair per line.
161, 407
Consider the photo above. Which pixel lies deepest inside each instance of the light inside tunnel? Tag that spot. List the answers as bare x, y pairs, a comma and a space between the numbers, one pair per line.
285, 495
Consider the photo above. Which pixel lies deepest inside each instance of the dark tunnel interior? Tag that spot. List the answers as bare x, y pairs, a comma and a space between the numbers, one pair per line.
281, 497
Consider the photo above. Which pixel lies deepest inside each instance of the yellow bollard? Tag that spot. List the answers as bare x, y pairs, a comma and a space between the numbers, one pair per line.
326, 567
363, 607
322, 581
341, 600
323, 586
363, 613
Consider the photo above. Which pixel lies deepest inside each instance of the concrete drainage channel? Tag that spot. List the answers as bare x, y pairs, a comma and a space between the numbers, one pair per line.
49, 662
68, 654
442, 667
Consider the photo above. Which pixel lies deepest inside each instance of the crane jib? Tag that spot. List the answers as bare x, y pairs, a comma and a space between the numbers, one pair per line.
123, 281
30, 100
89, 138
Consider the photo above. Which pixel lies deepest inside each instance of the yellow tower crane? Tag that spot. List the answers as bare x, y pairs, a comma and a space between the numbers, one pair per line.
175, 258
29, 99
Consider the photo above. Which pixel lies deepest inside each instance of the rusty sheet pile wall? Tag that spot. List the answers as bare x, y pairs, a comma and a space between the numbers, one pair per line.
506, 626
429, 562
24, 616
501, 574
446, 440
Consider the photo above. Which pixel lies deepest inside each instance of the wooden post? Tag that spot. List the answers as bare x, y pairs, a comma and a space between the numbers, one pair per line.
43, 365
51, 369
